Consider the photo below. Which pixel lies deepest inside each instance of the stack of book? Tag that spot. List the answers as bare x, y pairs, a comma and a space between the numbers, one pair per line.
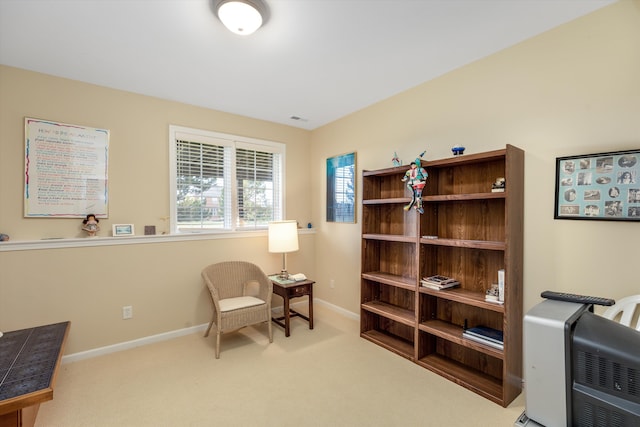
485, 335
439, 282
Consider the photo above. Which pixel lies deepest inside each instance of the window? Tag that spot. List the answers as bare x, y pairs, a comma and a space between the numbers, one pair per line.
224, 182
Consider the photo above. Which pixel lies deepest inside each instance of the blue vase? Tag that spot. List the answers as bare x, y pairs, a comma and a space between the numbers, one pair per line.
457, 150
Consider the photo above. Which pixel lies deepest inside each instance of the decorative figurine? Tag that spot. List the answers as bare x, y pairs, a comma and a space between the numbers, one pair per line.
457, 150
498, 186
395, 160
90, 225
416, 178
492, 294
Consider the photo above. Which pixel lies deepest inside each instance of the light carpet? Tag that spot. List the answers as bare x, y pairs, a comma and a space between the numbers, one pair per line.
327, 376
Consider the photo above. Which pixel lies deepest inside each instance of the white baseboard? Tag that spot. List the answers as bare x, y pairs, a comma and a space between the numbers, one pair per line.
337, 309
178, 333
132, 344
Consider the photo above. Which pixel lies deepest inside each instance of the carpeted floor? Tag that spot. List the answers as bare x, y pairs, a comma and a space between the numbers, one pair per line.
328, 376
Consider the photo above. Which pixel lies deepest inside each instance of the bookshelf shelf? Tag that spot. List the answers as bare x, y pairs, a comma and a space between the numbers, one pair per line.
390, 279
472, 379
390, 342
389, 311
464, 296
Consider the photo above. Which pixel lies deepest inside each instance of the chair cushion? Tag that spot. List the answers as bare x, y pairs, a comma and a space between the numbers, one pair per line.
229, 304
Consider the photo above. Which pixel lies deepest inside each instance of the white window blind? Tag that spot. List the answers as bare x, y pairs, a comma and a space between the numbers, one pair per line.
223, 182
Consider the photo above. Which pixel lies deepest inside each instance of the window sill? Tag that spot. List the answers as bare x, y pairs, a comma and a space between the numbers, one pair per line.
28, 245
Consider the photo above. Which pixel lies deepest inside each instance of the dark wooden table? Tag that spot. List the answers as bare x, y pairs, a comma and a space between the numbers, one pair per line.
29, 360
293, 290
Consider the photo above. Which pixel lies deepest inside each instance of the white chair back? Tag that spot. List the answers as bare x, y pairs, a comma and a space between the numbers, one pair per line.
626, 311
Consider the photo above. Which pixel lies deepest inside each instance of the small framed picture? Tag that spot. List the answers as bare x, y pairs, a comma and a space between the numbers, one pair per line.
120, 230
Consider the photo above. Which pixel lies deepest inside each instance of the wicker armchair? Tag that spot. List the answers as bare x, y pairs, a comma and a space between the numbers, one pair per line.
241, 296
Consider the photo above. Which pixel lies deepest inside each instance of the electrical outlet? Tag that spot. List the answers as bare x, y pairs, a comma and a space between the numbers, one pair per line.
332, 283
127, 312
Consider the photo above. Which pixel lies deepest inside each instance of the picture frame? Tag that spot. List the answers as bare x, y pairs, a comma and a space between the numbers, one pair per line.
600, 186
120, 230
341, 188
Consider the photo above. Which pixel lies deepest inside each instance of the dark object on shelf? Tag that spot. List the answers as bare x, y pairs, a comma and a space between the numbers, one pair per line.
4, 237
457, 150
149, 230
486, 333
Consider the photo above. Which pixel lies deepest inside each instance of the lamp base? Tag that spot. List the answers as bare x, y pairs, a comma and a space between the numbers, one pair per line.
283, 275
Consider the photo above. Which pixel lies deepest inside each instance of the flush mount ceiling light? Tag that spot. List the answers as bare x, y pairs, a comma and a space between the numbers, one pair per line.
242, 17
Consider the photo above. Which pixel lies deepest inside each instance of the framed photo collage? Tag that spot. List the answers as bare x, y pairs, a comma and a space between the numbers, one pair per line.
602, 186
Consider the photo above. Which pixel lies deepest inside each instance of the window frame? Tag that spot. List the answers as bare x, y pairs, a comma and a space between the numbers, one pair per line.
235, 142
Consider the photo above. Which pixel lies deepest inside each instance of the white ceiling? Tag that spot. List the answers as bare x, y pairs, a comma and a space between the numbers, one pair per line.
316, 59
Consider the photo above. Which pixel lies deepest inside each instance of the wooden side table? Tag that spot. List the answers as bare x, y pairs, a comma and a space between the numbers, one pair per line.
293, 290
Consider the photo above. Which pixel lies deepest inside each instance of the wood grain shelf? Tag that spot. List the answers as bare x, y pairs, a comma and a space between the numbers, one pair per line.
390, 237
463, 197
453, 333
390, 279
389, 311
390, 342
471, 379
403, 200
460, 243
464, 296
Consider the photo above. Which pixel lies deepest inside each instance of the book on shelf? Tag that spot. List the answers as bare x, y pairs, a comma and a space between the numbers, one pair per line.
483, 341
439, 282
438, 287
485, 335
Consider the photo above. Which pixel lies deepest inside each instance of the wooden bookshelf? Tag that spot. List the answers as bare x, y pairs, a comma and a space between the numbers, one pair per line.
478, 232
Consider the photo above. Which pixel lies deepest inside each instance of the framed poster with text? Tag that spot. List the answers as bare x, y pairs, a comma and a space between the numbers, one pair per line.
65, 170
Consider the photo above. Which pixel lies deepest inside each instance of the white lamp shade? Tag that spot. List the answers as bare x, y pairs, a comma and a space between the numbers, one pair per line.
283, 236
240, 17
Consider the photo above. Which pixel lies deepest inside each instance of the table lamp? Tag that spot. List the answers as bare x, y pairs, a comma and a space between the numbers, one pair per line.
283, 238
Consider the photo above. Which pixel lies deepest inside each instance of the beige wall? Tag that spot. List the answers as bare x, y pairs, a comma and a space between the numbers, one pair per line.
89, 285
573, 90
